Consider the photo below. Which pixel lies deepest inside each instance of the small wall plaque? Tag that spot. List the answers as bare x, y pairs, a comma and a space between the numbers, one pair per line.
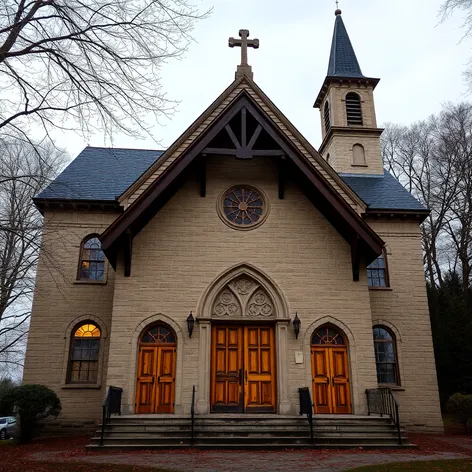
298, 357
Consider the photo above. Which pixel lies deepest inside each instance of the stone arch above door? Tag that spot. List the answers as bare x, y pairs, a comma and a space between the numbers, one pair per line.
243, 292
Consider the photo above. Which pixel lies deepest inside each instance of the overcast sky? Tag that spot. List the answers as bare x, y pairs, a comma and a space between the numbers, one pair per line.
420, 61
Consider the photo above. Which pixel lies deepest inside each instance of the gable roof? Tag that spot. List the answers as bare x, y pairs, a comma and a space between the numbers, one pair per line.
99, 174
383, 192
342, 60
340, 205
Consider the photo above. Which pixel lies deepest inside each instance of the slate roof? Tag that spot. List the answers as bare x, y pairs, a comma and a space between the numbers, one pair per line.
103, 174
100, 174
342, 60
382, 192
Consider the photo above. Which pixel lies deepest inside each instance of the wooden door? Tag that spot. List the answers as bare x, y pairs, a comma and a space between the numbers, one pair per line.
259, 365
155, 387
145, 388
330, 372
243, 369
227, 369
165, 384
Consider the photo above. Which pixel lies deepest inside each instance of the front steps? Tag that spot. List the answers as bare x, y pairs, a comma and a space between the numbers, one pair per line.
240, 431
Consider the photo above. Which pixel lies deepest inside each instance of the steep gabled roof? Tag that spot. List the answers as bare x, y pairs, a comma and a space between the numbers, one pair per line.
342, 60
340, 205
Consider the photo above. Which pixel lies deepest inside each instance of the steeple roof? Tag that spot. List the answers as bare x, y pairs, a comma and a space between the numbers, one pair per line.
342, 60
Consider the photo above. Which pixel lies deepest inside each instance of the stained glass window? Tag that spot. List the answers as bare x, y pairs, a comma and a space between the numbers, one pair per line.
377, 273
328, 335
385, 356
85, 347
92, 260
243, 206
158, 334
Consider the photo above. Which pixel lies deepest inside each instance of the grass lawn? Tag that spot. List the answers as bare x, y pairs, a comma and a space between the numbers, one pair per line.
456, 465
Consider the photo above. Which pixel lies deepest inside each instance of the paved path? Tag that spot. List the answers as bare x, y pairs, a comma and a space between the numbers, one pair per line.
238, 461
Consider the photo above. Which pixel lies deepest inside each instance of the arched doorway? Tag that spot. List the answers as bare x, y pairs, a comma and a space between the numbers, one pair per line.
330, 371
155, 388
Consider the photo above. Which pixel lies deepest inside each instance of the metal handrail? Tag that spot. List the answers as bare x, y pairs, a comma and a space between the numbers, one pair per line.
192, 413
111, 405
382, 401
306, 407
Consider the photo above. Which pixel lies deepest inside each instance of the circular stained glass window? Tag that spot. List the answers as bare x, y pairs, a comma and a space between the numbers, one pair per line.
244, 207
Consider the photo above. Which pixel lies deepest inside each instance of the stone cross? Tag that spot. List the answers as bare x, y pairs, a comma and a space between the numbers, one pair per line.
244, 68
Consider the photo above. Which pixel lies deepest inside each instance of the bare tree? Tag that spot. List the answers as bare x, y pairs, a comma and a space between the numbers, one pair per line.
92, 64
24, 171
433, 159
447, 9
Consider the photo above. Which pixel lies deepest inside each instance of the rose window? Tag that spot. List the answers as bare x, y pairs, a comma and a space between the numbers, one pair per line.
243, 206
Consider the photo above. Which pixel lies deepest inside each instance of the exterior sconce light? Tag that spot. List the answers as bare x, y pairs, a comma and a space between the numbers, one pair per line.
296, 325
190, 324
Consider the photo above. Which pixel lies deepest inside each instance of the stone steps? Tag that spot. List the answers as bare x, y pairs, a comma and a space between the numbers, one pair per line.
247, 432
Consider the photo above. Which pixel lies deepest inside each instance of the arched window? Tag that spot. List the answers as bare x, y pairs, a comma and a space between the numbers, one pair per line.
386, 356
377, 273
158, 334
328, 335
353, 109
358, 155
92, 260
327, 118
84, 351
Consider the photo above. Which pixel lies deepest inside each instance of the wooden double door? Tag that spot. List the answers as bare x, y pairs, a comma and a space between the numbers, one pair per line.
330, 372
243, 369
155, 387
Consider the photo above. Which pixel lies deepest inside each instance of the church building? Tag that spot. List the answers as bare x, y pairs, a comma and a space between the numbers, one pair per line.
240, 261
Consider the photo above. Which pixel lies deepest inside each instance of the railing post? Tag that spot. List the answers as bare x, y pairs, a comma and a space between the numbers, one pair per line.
192, 413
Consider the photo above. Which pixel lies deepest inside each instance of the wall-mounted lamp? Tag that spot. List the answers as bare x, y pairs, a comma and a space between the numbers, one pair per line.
190, 324
296, 325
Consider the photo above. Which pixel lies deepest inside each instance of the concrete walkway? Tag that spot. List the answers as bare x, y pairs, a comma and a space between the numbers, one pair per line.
240, 461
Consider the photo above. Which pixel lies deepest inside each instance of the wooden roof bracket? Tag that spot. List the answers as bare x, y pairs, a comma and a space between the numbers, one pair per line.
356, 257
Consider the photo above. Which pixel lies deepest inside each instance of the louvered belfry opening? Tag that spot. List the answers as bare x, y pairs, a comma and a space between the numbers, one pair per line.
327, 117
353, 109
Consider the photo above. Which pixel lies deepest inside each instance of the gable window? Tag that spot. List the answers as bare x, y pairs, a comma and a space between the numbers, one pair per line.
386, 356
327, 118
377, 274
84, 351
92, 260
353, 109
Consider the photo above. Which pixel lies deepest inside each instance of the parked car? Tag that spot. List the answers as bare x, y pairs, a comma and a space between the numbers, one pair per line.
8, 427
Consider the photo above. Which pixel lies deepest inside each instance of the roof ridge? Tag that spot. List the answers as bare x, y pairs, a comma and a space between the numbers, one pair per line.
124, 148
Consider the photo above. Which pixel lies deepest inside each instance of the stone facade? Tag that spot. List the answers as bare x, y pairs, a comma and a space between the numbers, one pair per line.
178, 259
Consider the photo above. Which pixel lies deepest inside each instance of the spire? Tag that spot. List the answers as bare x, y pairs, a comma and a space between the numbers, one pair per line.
342, 61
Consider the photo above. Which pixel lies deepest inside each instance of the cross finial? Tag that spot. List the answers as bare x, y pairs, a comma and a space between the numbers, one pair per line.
244, 68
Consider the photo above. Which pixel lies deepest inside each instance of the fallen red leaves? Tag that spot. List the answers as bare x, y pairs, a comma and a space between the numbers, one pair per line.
51, 452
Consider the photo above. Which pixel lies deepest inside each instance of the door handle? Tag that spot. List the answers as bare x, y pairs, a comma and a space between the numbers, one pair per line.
327, 380
332, 381
246, 376
241, 376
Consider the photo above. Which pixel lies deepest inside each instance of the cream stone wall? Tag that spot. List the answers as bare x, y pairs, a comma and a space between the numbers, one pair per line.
186, 246
340, 147
60, 302
404, 308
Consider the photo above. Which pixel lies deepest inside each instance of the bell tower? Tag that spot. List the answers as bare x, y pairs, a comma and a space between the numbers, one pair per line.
351, 138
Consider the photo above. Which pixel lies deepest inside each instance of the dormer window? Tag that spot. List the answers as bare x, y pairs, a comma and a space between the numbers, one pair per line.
353, 109
327, 118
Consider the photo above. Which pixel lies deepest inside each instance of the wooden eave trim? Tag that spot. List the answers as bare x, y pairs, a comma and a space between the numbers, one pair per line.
114, 232
306, 144
352, 130
43, 204
181, 140
420, 215
333, 79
